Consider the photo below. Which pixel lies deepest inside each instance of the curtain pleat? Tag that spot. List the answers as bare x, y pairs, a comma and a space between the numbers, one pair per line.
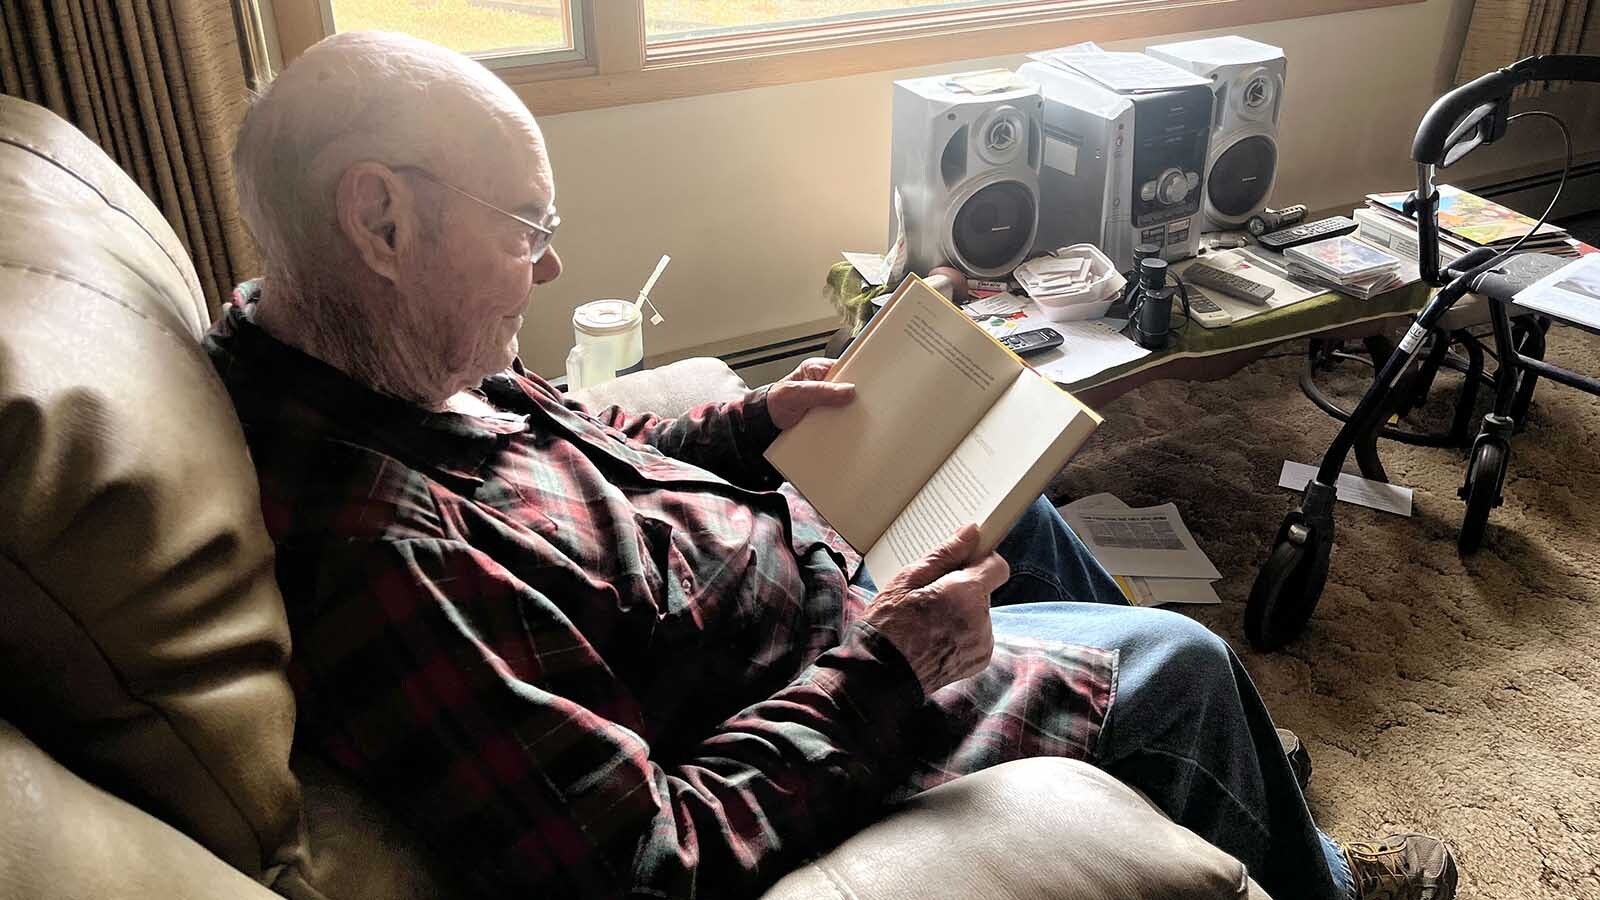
161, 85
1504, 31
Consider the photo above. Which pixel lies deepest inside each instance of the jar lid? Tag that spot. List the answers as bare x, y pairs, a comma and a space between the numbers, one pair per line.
600, 318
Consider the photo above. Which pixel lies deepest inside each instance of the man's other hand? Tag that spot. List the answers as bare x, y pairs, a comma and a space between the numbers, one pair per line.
801, 390
936, 611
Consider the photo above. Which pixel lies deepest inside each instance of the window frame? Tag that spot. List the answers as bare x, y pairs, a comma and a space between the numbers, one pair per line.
615, 66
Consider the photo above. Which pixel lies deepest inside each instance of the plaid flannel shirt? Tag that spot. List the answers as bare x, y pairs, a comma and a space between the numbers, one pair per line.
600, 655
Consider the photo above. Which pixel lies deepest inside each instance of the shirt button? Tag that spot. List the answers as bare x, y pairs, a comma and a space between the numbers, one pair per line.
688, 583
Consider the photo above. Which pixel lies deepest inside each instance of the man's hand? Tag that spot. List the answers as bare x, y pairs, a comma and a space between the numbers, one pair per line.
799, 391
936, 611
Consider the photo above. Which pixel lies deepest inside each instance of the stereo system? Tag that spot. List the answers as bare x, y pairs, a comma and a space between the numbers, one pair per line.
966, 168
1123, 160
1084, 146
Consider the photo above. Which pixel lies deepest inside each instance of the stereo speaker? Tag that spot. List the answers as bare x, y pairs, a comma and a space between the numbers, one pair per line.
966, 168
1247, 80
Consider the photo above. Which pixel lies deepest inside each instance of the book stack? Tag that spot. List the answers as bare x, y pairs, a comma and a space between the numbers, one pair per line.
1346, 265
1466, 221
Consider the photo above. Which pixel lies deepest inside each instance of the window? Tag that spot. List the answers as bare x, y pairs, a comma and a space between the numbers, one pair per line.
564, 55
497, 31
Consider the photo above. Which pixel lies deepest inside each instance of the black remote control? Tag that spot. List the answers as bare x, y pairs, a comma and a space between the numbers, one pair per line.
1283, 239
1027, 343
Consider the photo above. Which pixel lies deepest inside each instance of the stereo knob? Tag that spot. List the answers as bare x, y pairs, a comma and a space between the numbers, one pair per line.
1173, 187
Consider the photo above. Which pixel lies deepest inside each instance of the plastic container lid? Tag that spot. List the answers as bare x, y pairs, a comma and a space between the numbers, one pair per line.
602, 318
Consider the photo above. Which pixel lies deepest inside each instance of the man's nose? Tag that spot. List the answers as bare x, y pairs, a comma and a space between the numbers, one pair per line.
548, 268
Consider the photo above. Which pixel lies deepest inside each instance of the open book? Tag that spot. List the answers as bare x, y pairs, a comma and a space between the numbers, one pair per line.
947, 428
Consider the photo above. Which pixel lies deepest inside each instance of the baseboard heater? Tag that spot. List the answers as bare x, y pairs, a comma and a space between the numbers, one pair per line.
1530, 194
768, 362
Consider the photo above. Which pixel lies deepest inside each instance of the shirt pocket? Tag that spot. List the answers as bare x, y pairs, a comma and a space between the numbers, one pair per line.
669, 575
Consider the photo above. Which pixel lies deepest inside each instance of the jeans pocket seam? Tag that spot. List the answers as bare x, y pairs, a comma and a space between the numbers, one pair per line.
1047, 577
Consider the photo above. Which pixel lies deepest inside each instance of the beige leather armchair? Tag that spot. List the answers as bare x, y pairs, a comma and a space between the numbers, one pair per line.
146, 722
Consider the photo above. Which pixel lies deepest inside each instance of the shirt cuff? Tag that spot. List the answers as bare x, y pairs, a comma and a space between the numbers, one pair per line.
869, 679
757, 419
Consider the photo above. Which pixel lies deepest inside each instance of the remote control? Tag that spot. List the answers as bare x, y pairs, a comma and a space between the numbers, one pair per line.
1206, 312
1284, 238
1230, 283
1027, 343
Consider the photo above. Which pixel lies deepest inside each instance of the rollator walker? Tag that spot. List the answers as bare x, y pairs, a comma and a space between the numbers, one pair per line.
1290, 582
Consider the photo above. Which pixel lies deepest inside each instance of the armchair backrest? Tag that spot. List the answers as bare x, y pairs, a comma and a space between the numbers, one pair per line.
142, 636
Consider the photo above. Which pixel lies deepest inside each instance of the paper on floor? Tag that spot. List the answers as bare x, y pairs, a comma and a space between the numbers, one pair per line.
1142, 591
1152, 542
1389, 498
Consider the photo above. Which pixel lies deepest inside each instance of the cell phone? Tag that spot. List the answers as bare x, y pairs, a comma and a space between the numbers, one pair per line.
1027, 343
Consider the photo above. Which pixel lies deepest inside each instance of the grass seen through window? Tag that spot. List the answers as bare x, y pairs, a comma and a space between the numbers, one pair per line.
477, 26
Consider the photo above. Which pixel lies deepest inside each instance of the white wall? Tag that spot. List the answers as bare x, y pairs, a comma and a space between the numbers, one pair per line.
755, 192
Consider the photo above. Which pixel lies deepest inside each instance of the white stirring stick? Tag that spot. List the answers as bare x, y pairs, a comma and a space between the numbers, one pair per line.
644, 293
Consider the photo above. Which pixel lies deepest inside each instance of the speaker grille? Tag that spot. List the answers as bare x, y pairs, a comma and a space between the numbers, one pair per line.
1242, 175
993, 229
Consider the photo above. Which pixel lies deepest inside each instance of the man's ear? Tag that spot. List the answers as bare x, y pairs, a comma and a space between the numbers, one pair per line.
375, 212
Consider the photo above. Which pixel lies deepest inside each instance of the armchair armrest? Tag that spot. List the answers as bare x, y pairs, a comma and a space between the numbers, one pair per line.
1035, 829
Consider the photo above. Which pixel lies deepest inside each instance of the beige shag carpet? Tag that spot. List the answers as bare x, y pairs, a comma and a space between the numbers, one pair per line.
1460, 697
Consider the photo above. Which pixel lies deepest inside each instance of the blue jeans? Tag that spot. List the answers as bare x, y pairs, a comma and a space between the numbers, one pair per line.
1186, 727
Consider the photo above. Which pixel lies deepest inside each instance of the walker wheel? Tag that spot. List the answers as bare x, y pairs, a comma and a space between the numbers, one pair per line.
1485, 474
1288, 587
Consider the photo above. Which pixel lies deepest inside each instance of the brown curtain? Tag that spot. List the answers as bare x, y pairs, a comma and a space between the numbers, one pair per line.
160, 84
1504, 31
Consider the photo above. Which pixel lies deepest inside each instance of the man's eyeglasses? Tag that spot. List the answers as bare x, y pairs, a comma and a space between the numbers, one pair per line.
540, 233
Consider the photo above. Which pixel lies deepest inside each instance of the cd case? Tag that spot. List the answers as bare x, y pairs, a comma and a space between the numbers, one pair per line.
1342, 257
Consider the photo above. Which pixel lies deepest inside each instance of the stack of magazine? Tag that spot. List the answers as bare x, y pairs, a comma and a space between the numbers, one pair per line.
1465, 221
1346, 265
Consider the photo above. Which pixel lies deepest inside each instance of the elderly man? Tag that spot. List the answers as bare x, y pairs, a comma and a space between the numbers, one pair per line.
595, 655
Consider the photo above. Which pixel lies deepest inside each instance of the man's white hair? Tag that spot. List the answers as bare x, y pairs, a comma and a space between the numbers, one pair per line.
354, 96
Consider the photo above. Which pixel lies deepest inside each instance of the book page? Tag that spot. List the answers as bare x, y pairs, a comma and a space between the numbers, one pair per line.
992, 475
924, 374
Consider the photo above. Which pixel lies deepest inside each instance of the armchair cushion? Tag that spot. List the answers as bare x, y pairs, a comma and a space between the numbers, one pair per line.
145, 639
668, 391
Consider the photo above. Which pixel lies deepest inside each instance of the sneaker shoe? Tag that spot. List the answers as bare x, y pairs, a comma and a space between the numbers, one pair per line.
1402, 867
1299, 757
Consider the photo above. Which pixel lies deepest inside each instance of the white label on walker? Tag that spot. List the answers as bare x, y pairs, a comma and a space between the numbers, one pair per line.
1413, 337
1389, 498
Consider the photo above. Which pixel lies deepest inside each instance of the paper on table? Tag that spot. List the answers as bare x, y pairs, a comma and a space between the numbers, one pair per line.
1570, 293
1142, 591
1152, 541
1248, 264
1088, 347
998, 305
874, 268
1389, 498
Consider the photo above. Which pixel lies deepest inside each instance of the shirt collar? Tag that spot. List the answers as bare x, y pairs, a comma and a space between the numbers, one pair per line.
277, 385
